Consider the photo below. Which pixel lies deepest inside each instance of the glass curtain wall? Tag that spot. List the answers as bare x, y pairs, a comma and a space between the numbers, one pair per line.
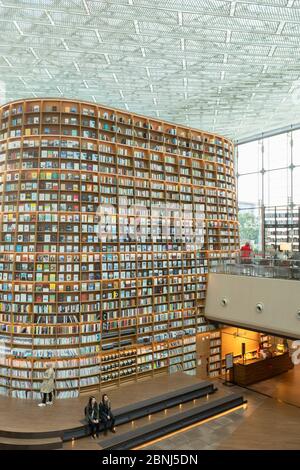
268, 172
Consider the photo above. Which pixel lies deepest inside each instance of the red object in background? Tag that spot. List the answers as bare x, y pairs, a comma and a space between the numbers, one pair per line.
246, 251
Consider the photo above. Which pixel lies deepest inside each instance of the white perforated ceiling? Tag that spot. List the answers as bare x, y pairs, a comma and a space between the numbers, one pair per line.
227, 66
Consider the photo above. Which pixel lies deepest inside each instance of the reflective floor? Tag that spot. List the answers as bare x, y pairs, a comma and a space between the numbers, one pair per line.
268, 422
284, 387
271, 419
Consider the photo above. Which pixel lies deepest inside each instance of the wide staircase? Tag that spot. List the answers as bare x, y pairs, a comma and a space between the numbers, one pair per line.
138, 423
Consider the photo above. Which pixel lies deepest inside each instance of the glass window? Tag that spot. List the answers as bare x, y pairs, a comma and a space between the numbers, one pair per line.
296, 185
250, 228
249, 157
276, 152
249, 190
296, 147
276, 187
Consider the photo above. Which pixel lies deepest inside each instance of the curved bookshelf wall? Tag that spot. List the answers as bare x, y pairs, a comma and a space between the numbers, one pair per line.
105, 311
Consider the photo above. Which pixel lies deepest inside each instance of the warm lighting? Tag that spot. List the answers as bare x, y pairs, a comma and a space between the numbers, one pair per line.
180, 406
285, 247
191, 426
73, 441
166, 412
149, 417
280, 347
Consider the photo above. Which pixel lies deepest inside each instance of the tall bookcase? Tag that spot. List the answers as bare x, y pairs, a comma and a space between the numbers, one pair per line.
281, 225
107, 309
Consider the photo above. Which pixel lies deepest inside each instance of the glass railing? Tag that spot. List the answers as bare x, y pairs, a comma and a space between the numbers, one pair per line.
261, 267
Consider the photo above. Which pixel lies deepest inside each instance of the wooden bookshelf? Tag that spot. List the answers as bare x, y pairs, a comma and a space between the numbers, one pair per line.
215, 354
105, 311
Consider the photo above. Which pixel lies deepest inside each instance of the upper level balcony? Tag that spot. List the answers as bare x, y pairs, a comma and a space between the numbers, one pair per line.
256, 294
261, 267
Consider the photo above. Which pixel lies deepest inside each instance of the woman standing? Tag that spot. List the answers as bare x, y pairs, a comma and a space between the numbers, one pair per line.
106, 416
47, 386
92, 416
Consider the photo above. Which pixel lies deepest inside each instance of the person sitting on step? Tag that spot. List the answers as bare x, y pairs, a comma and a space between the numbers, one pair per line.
106, 415
91, 412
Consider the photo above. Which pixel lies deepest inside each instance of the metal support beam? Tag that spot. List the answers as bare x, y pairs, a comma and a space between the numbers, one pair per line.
271, 133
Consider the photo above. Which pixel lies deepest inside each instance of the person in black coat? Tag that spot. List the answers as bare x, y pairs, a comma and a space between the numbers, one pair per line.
106, 415
92, 416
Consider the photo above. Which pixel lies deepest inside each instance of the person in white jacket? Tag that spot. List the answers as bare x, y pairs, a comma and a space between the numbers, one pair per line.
47, 386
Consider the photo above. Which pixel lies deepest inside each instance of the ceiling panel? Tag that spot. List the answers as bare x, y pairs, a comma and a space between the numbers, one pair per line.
229, 66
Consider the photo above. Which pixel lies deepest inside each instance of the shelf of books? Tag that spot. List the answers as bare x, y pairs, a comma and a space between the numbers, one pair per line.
100, 272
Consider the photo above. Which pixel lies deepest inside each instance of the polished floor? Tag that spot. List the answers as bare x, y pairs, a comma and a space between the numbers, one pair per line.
284, 387
271, 421
265, 424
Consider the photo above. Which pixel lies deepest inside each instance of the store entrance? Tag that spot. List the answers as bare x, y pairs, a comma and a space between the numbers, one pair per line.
263, 363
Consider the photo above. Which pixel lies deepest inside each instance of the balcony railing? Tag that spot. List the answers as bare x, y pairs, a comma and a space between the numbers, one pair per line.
261, 267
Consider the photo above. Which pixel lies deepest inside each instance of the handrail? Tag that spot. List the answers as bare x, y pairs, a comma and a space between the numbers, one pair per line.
260, 267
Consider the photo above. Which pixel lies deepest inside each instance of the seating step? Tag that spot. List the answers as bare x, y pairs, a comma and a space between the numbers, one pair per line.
123, 414
7, 443
144, 434
161, 402
134, 411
